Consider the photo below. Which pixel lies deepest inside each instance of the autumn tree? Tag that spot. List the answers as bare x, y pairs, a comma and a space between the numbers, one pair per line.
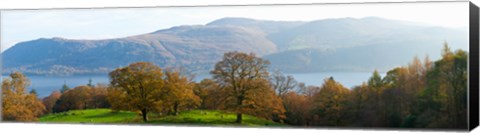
140, 85
178, 91
443, 103
376, 86
80, 97
398, 96
309, 91
117, 98
17, 104
98, 96
244, 79
210, 94
330, 103
402, 87
261, 101
298, 109
50, 101
282, 84
420, 95
362, 108
74, 99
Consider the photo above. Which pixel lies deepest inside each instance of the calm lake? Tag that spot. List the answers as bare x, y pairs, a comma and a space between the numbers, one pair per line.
47, 84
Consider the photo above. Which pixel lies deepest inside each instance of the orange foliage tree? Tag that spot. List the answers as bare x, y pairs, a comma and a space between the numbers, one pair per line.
17, 104
244, 79
210, 94
178, 91
50, 101
74, 99
138, 86
330, 103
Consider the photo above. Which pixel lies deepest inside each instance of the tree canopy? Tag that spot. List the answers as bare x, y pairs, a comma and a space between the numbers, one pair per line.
140, 85
17, 104
244, 79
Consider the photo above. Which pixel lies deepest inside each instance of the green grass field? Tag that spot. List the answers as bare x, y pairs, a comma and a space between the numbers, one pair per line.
192, 117
90, 116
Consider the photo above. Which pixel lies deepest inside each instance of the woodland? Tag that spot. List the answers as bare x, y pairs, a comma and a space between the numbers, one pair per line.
421, 94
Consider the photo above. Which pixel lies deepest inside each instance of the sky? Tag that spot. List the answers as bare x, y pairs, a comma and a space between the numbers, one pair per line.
24, 25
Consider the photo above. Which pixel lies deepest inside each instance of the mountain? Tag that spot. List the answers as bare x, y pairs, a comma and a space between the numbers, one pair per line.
350, 32
366, 44
194, 47
344, 44
366, 58
268, 27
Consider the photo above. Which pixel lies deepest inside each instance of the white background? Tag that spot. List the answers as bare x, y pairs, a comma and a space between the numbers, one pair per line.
67, 128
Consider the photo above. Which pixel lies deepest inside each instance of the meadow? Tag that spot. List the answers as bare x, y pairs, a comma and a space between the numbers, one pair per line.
191, 117
242, 92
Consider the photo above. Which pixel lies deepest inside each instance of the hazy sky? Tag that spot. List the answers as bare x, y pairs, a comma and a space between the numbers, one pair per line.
24, 25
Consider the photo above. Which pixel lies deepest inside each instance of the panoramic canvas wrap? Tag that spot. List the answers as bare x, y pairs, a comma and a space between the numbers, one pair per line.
371, 65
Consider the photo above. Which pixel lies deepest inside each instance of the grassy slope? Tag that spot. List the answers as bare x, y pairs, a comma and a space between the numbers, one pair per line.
89, 116
193, 117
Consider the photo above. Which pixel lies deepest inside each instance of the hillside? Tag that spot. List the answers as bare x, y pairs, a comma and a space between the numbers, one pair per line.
366, 44
268, 27
343, 44
382, 57
192, 47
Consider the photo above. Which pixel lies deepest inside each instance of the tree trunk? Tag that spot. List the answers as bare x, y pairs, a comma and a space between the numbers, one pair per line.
239, 118
175, 108
239, 104
144, 115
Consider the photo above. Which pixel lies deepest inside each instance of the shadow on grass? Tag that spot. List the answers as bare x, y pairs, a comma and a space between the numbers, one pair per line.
211, 118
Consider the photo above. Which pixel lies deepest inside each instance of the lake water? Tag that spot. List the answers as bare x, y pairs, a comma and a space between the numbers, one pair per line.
47, 84
44, 85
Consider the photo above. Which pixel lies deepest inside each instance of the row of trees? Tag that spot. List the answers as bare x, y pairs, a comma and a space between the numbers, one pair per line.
78, 98
422, 94
146, 88
240, 85
17, 105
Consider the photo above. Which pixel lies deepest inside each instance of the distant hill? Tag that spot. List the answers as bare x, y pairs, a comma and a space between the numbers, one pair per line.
350, 32
268, 27
344, 44
194, 47
359, 44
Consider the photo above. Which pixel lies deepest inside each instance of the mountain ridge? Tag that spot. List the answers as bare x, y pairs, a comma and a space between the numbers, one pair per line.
198, 47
